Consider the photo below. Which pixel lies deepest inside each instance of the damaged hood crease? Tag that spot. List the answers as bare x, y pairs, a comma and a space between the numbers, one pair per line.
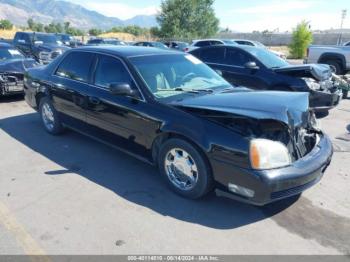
289, 108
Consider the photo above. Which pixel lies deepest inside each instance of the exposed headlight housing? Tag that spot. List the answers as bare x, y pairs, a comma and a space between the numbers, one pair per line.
268, 154
312, 84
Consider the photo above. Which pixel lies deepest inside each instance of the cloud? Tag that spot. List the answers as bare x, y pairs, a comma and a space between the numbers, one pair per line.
119, 10
276, 7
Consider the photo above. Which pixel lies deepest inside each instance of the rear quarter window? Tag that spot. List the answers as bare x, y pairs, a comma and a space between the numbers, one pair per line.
76, 66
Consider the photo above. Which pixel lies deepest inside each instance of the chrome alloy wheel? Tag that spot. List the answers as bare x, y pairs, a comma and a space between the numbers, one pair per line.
48, 116
181, 169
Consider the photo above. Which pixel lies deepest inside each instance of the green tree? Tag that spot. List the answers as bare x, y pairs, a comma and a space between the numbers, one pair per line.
95, 31
187, 19
30, 23
155, 31
6, 24
301, 39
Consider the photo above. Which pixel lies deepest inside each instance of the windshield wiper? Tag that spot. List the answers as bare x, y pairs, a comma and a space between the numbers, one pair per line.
178, 89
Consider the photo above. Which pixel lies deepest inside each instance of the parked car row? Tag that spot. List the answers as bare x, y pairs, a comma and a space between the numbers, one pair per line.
170, 109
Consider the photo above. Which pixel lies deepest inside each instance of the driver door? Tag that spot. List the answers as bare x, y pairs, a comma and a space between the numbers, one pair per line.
112, 118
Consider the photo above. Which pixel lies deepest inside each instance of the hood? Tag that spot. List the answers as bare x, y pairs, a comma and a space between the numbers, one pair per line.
319, 72
52, 47
291, 108
17, 65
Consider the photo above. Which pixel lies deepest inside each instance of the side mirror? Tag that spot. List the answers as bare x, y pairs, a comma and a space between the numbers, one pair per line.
121, 89
251, 65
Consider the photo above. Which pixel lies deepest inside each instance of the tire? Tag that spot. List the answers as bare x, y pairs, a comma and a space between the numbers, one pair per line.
345, 94
50, 117
336, 65
202, 181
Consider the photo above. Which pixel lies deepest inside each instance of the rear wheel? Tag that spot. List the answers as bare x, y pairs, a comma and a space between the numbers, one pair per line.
185, 169
49, 117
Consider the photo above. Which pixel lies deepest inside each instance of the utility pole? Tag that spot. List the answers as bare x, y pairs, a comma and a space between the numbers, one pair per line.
343, 16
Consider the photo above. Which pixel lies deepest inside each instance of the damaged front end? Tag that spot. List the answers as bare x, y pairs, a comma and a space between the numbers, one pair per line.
11, 83
300, 139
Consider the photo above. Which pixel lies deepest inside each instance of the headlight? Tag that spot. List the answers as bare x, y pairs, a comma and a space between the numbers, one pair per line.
268, 154
312, 84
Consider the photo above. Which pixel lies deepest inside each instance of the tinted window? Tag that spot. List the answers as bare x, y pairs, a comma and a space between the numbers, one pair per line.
213, 55
347, 44
215, 43
202, 43
236, 57
95, 41
76, 65
110, 70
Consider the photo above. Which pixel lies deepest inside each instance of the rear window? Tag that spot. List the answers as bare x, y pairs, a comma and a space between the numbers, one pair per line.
76, 66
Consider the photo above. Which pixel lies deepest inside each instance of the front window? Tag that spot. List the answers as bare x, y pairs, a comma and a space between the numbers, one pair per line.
10, 53
46, 39
167, 76
269, 59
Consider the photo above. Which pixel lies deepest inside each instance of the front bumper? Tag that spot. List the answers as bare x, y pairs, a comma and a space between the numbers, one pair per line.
324, 101
272, 185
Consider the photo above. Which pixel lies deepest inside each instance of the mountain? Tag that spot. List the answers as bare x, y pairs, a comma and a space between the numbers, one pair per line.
46, 11
142, 20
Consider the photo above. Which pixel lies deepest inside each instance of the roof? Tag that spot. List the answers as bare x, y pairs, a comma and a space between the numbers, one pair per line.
127, 51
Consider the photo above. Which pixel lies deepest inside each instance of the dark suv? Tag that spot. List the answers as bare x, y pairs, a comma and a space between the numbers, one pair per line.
40, 46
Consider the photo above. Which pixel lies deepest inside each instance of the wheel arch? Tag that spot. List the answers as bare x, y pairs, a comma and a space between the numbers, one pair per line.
333, 56
166, 135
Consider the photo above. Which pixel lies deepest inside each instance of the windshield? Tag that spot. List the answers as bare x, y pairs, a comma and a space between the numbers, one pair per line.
269, 59
10, 53
175, 74
46, 39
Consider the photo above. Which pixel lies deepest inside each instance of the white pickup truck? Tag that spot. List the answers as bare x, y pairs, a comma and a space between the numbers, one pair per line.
336, 56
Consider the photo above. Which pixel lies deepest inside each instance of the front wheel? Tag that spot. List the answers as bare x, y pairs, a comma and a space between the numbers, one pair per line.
49, 117
185, 169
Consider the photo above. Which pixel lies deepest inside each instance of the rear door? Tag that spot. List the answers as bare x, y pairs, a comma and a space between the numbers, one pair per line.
70, 83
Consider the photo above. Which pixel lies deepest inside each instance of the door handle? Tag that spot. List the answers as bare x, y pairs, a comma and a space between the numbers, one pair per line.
94, 100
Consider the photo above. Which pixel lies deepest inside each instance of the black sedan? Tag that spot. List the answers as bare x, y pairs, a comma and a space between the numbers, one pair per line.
12, 66
260, 69
171, 110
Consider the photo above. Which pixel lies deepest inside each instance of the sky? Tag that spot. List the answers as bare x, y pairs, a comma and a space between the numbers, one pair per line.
243, 15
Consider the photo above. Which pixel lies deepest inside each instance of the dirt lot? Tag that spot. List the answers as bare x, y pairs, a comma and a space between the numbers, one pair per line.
72, 195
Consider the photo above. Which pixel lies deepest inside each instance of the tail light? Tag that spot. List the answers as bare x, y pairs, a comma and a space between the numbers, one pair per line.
186, 49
